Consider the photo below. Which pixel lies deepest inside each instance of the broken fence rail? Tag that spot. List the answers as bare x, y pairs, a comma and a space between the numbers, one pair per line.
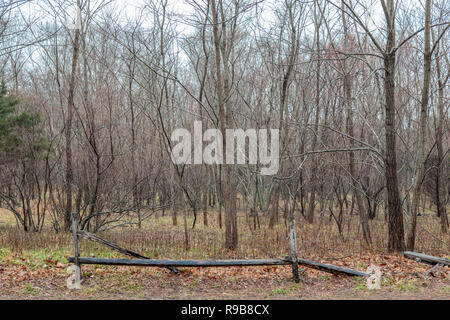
76, 234
218, 263
95, 238
424, 258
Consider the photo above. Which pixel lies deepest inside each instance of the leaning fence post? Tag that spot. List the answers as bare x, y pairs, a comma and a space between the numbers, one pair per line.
293, 247
76, 249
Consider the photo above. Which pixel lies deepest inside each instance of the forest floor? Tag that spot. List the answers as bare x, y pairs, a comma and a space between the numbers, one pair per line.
21, 281
34, 265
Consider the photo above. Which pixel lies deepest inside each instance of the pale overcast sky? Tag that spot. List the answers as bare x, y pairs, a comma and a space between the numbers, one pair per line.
129, 9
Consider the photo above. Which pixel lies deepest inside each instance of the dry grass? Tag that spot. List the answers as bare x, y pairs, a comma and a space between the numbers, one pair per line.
159, 239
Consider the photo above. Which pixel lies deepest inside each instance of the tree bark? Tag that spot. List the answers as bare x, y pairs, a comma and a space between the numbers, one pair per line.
227, 187
363, 215
68, 130
313, 181
411, 221
396, 240
442, 169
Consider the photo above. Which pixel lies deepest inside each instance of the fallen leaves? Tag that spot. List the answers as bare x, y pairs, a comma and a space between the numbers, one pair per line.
398, 273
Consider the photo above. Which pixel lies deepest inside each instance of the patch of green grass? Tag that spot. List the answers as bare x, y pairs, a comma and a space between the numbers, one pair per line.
361, 266
407, 286
133, 286
388, 281
361, 283
445, 289
4, 253
141, 295
34, 259
295, 286
194, 283
280, 291
361, 286
29, 289
122, 279
153, 254
86, 273
92, 291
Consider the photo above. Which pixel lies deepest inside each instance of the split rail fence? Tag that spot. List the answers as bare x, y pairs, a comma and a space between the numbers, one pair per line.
140, 260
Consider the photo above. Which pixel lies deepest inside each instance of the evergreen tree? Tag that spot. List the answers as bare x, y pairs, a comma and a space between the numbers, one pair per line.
13, 126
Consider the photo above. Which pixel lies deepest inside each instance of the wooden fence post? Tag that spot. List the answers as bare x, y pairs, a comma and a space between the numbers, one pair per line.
293, 247
76, 248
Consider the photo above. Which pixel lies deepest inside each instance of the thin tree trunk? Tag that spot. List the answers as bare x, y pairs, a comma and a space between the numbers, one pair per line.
411, 221
313, 181
222, 118
205, 209
396, 240
273, 218
441, 176
68, 130
364, 219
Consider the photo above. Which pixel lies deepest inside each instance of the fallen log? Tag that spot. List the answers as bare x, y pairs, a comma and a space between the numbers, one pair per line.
218, 263
424, 258
95, 238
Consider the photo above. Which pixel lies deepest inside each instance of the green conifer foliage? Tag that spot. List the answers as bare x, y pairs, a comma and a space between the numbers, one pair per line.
14, 125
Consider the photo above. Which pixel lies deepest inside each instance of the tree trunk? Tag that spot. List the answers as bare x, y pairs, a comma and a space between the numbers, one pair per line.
68, 130
396, 240
205, 209
273, 218
227, 186
442, 169
411, 221
363, 215
313, 182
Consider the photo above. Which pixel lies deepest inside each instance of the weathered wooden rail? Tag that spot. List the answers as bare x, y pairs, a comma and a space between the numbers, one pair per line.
182, 263
172, 264
331, 268
218, 263
424, 258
